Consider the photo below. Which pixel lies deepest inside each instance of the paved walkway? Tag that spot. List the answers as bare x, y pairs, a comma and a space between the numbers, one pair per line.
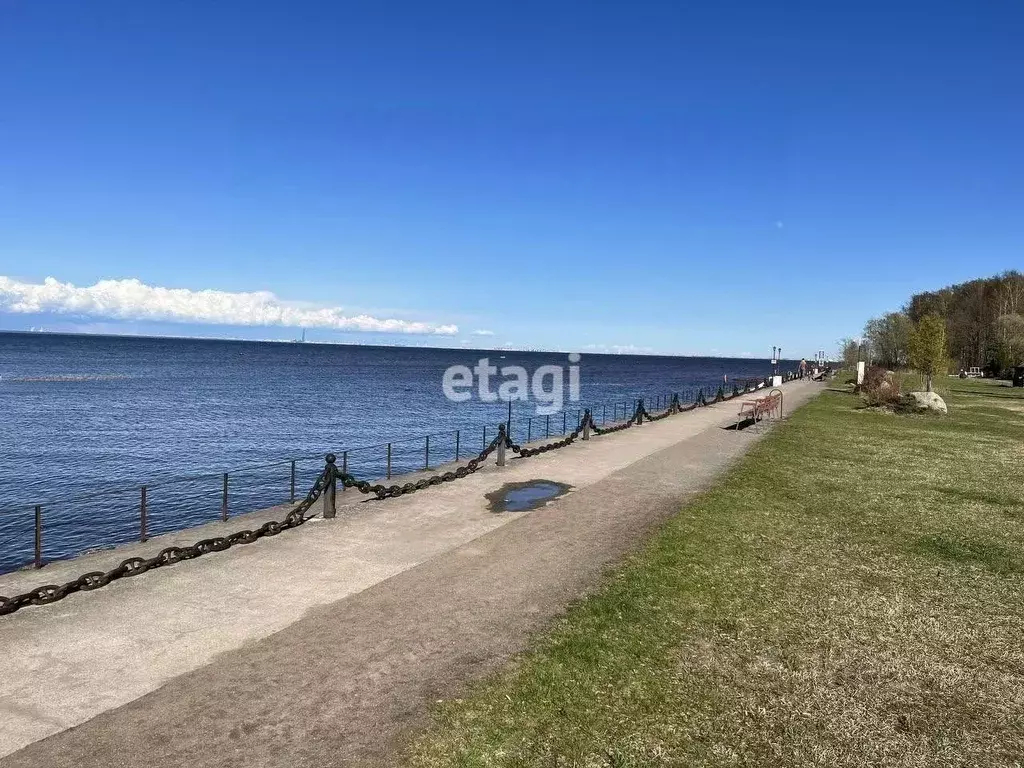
326, 645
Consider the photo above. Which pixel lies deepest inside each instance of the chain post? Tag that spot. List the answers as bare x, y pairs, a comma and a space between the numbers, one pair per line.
291, 495
639, 412
224, 500
563, 422
529, 428
501, 445
330, 497
586, 424
547, 426
426, 454
142, 515
389, 462
457, 435
39, 537
344, 467
483, 442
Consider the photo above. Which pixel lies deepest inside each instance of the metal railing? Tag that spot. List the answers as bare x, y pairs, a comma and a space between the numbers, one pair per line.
58, 528
327, 484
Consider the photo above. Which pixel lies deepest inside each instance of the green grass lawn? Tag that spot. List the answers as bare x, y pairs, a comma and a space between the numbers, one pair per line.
851, 593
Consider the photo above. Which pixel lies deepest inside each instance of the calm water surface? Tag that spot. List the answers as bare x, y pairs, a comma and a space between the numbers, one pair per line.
86, 420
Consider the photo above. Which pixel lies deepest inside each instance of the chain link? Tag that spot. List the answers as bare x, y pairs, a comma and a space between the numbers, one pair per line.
390, 491
567, 440
133, 566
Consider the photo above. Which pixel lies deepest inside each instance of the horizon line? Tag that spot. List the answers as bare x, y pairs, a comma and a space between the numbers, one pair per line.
43, 332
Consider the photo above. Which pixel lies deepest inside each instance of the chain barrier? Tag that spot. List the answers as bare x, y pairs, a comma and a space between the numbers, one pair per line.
642, 410
133, 566
567, 440
390, 491
618, 427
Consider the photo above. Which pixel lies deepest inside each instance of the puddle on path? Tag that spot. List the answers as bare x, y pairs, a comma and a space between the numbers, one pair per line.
519, 497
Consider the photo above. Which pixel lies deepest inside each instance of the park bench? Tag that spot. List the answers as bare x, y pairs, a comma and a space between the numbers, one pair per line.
760, 408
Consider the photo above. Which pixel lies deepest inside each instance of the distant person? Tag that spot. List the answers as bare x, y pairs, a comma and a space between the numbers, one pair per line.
803, 367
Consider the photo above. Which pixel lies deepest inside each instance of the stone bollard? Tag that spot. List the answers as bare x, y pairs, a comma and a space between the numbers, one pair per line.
586, 424
331, 491
639, 412
501, 445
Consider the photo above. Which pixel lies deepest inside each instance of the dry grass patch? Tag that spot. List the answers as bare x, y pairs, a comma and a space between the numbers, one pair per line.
851, 594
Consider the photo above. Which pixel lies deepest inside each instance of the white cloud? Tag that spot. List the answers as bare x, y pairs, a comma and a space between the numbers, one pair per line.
618, 349
482, 332
134, 300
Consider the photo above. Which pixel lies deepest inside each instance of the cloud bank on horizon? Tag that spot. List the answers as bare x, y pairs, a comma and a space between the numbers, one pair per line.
131, 299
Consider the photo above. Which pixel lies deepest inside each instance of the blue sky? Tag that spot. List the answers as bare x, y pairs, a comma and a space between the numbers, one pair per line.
682, 177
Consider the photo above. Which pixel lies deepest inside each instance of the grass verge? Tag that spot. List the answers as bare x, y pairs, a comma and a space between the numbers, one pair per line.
850, 594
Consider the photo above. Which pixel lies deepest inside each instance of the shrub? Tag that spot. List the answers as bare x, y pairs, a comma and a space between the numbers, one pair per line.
880, 388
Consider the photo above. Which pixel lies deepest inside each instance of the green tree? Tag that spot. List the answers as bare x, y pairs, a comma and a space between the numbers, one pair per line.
851, 351
889, 338
975, 333
928, 347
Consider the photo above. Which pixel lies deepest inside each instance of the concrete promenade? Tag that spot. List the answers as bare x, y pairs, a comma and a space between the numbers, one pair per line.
326, 645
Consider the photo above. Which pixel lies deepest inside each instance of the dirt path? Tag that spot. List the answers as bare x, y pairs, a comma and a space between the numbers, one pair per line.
349, 682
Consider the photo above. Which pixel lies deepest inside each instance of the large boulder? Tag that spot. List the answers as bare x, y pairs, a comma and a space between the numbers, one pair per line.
926, 401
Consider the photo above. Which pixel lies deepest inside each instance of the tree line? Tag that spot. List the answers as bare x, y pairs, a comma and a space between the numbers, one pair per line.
981, 322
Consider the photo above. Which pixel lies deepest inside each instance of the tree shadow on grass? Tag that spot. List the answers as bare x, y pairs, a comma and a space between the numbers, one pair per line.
841, 389
996, 499
995, 557
975, 393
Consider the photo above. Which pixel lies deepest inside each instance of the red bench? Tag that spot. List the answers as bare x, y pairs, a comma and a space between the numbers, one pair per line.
760, 408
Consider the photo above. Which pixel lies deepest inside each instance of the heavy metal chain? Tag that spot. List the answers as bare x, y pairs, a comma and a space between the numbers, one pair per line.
567, 440
390, 491
618, 427
133, 566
